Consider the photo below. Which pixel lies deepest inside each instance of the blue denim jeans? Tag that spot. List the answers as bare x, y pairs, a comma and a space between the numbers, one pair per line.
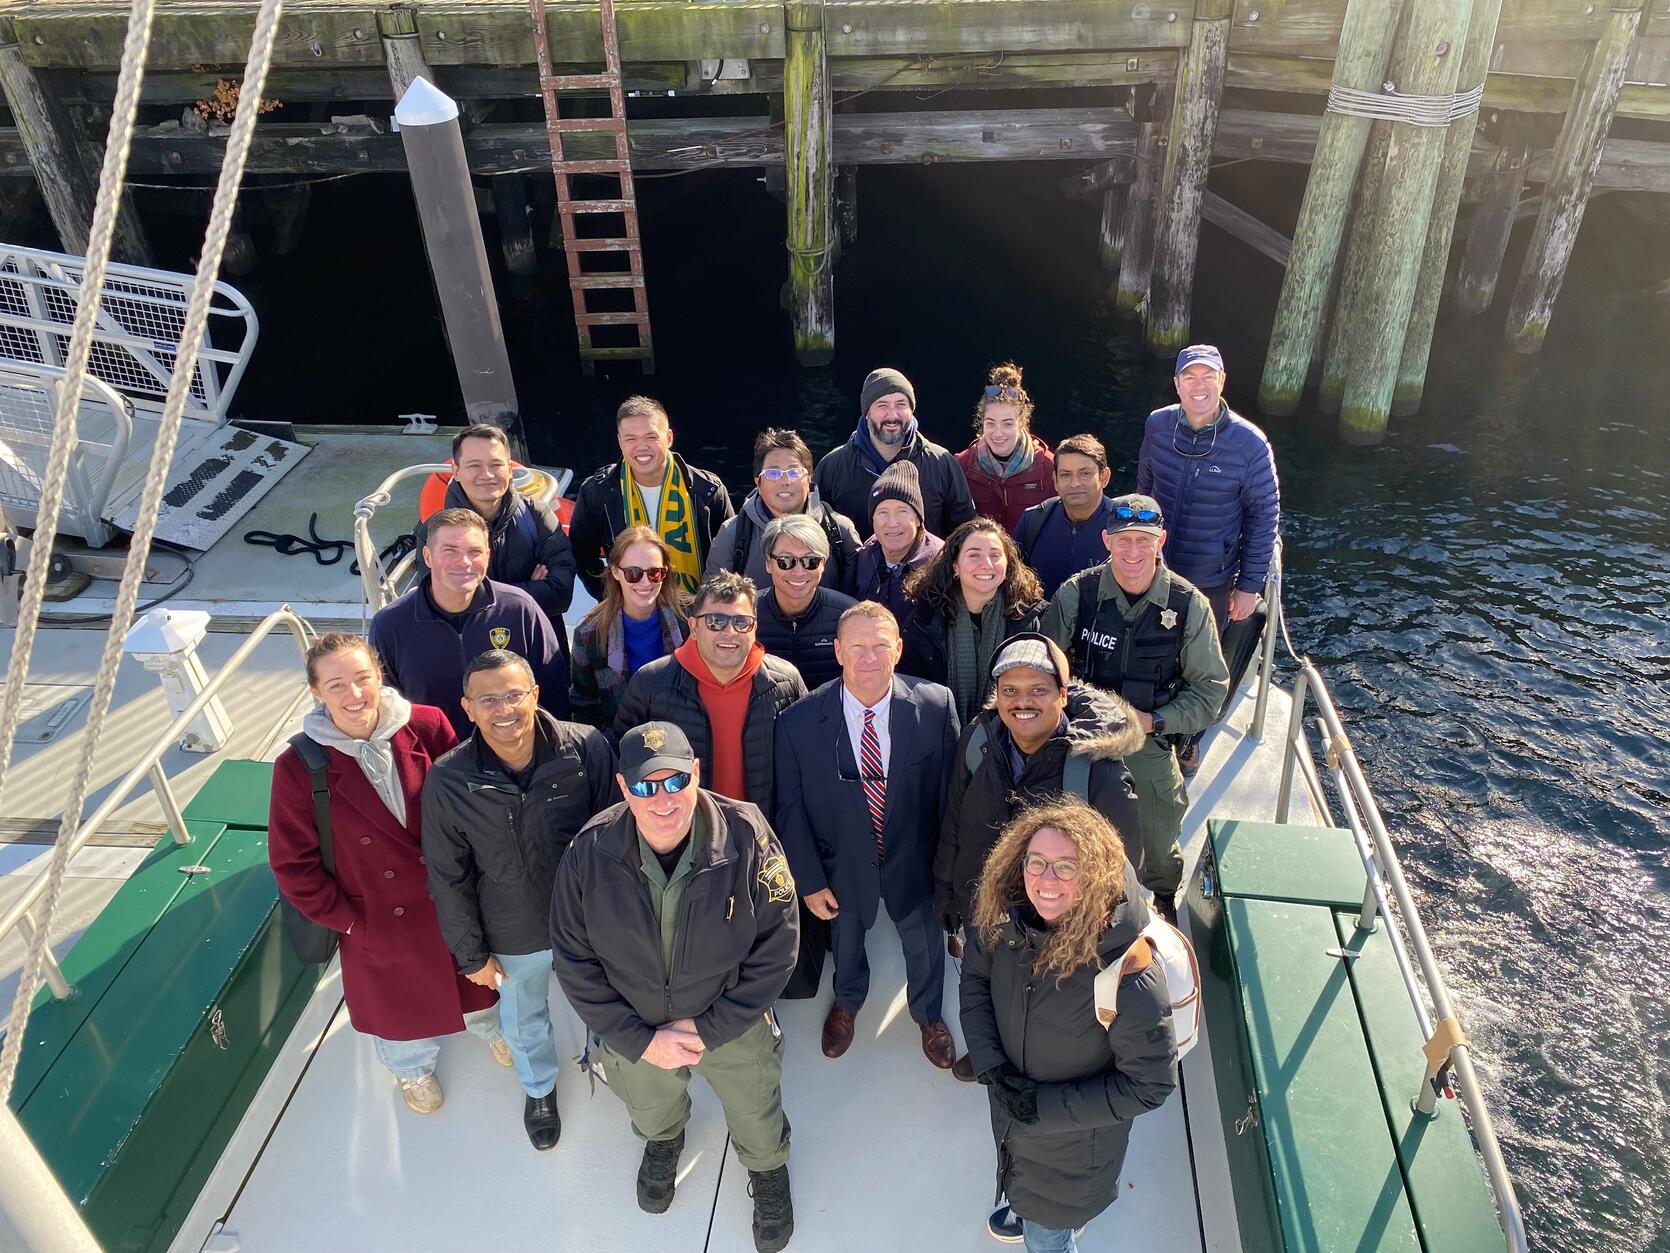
525, 1009
413, 1059
1047, 1239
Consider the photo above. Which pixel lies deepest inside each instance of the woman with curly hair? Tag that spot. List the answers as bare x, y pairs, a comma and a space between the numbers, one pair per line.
973, 595
640, 618
1058, 903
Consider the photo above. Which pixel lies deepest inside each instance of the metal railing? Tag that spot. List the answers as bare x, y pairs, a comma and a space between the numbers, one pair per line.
1449, 1059
149, 766
382, 586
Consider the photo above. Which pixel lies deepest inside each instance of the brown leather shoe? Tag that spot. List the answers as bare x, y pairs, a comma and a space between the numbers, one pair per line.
938, 1046
837, 1031
963, 1070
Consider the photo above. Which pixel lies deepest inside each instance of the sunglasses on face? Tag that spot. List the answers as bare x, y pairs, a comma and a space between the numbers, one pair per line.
792, 473
637, 574
1127, 514
810, 562
671, 785
741, 623
1065, 870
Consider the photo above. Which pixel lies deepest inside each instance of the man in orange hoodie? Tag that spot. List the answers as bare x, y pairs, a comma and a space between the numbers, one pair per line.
722, 689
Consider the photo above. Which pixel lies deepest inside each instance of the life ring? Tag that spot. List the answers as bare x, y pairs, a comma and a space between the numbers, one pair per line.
529, 480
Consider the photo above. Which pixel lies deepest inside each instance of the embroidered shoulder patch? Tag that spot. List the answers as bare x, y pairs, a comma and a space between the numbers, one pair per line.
774, 874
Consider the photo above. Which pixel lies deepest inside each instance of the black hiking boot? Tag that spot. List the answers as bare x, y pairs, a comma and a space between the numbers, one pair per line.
773, 1210
658, 1173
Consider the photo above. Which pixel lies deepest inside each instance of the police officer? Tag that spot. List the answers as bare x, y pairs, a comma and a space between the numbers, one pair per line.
1134, 628
678, 870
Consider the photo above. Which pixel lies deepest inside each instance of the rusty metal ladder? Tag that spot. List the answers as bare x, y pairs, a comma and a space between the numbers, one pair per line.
627, 243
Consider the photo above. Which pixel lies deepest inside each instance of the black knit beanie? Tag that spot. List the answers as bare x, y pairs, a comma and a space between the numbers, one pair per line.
883, 382
899, 482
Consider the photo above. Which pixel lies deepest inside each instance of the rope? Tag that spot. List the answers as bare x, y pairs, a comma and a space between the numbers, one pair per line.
1392, 105
64, 434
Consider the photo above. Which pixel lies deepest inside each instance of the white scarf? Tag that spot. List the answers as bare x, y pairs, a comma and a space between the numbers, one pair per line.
375, 755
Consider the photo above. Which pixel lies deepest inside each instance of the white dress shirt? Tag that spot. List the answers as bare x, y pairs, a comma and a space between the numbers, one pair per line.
854, 714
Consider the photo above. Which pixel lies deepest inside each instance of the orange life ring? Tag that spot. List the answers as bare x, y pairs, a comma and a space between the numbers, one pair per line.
433, 497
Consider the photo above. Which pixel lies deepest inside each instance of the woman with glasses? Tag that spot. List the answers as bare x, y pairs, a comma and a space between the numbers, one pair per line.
783, 488
640, 618
798, 615
1057, 906
398, 979
1009, 469
969, 599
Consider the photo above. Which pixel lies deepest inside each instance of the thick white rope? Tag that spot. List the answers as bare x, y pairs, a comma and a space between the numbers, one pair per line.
185, 366
1391, 105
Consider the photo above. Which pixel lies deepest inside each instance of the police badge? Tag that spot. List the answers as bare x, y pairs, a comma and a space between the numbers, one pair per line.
654, 738
499, 637
1168, 618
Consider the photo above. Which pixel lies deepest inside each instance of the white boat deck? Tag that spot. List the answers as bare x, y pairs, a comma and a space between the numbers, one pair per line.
888, 1152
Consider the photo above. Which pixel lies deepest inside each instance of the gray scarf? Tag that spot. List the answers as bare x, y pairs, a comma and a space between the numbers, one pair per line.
970, 646
375, 755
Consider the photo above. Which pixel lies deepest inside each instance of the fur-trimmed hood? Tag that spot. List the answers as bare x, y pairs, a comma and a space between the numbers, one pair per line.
1101, 725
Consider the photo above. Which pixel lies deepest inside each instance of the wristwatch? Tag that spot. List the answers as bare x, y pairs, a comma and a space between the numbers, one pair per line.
1159, 726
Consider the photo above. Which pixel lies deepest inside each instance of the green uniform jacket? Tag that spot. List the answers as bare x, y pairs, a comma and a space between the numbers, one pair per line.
1205, 676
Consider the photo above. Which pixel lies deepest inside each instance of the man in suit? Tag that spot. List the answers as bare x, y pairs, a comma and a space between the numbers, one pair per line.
859, 825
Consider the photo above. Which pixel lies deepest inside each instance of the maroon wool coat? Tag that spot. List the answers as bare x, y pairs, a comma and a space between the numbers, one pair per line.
1004, 500
398, 978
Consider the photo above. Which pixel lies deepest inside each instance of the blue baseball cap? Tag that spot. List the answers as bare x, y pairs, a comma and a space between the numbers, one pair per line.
1199, 354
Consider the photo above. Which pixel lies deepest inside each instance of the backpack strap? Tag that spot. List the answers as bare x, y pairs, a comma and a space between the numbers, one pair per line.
314, 758
1034, 525
743, 537
1075, 775
974, 752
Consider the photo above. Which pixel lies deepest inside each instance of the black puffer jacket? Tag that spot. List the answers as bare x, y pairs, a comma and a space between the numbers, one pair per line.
808, 642
664, 691
1064, 1170
492, 849
523, 536
599, 517
927, 636
982, 802
738, 929
844, 479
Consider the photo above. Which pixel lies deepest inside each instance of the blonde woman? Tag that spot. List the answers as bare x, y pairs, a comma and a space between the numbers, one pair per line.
1057, 903
640, 618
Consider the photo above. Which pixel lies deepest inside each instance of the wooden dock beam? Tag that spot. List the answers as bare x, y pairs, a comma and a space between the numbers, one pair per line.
397, 28
1446, 201
1495, 214
1136, 258
1571, 175
67, 179
1427, 64
1365, 48
1194, 125
808, 123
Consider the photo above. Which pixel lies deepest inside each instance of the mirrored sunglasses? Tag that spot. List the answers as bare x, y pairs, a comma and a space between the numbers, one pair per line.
741, 623
637, 574
671, 785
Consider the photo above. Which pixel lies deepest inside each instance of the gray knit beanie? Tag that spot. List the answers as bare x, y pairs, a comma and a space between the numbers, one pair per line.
899, 482
883, 382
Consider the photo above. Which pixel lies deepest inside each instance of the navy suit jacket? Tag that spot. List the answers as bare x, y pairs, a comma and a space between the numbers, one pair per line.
823, 819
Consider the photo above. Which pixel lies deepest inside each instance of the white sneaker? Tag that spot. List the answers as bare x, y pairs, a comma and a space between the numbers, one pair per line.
423, 1096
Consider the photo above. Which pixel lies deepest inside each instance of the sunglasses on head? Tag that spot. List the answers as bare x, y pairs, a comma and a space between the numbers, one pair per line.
741, 623
637, 574
998, 392
1127, 514
671, 785
792, 473
809, 562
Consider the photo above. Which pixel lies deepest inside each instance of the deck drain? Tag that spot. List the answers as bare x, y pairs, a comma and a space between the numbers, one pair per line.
49, 710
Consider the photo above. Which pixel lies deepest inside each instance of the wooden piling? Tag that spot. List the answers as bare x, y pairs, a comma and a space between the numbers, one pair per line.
807, 116
397, 28
1365, 47
239, 259
1494, 215
67, 178
289, 206
1136, 259
1194, 126
846, 203
1446, 200
1111, 237
1427, 62
514, 215
1571, 175
1349, 283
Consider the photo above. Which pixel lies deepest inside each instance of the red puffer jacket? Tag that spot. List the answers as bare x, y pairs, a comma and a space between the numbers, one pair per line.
1006, 499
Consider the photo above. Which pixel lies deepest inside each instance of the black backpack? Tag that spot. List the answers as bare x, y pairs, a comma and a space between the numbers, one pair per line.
312, 942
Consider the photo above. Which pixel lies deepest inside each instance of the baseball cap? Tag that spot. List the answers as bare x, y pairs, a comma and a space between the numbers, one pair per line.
1199, 354
1135, 512
651, 747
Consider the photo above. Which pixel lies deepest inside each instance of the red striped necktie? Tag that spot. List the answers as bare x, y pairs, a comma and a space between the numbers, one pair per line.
875, 777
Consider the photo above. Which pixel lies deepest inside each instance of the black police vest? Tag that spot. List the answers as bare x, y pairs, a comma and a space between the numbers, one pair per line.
1142, 660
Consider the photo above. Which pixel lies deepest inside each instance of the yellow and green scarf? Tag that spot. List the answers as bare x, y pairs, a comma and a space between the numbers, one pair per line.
675, 525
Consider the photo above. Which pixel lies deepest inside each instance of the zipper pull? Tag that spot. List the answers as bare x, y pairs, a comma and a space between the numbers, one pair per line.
730, 907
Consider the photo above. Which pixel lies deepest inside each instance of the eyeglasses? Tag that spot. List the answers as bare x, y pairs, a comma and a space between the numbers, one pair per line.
671, 785
1065, 870
809, 562
637, 574
792, 473
507, 701
1127, 514
741, 623
998, 392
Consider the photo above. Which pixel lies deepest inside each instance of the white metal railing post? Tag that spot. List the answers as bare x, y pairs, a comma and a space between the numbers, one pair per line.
1290, 748
55, 980
1267, 657
34, 1212
170, 804
375, 583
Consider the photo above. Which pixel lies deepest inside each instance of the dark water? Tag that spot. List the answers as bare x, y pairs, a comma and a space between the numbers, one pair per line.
1488, 591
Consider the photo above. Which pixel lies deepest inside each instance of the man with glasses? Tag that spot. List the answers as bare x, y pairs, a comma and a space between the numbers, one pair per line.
862, 770
799, 613
498, 812
673, 929
782, 489
1063, 534
1134, 628
1214, 475
721, 688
